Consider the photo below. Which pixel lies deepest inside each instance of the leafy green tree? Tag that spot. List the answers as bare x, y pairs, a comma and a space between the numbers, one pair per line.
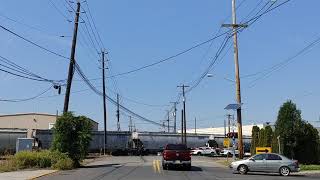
255, 139
72, 135
268, 136
262, 138
298, 139
213, 143
289, 118
307, 149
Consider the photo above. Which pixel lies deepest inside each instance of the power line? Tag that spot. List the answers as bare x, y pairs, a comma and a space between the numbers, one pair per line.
91, 28
58, 10
26, 99
170, 57
94, 24
284, 63
33, 43
28, 26
94, 89
214, 60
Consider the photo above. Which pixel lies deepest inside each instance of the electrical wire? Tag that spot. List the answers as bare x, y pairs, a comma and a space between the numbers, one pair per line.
94, 24
28, 26
58, 10
170, 57
284, 63
24, 73
94, 89
27, 99
33, 43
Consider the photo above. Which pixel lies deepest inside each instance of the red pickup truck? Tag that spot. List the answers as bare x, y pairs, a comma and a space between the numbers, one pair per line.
176, 155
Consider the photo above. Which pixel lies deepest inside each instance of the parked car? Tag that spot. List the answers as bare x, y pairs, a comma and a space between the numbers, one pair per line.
268, 162
203, 151
229, 152
176, 155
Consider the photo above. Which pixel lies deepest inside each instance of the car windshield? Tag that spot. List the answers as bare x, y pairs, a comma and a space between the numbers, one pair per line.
176, 147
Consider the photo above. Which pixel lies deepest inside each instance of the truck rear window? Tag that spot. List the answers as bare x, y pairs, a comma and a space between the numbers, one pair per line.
176, 147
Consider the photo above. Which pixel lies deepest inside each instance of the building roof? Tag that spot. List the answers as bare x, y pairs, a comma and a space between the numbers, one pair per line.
35, 114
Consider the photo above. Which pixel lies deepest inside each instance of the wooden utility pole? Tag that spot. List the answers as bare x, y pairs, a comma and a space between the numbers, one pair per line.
130, 124
168, 119
229, 122
184, 113
182, 128
118, 113
72, 59
235, 28
175, 117
195, 125
104, 104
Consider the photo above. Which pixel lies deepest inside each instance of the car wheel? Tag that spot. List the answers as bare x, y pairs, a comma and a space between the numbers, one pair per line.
284, 171
243, 169
199, 153
164, 166
188, 167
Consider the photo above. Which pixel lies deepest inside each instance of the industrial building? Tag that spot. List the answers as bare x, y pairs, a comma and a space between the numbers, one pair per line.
32, 121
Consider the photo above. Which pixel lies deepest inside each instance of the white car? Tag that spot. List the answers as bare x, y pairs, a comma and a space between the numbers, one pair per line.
203, 151
228, 152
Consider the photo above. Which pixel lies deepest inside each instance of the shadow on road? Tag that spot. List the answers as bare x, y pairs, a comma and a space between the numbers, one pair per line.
101, 165
193, 168
271, 174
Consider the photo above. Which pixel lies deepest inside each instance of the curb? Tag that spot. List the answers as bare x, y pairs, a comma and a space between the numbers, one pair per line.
309, 172
35, 177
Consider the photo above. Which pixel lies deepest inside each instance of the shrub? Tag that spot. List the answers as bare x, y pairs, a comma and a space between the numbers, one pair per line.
8, 165
63, 164
40, 159
25, 159
72, 135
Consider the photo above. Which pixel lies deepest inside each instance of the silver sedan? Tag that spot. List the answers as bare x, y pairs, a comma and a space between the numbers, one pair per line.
268, 162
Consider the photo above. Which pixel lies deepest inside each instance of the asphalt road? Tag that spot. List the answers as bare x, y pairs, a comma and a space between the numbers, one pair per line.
149, 168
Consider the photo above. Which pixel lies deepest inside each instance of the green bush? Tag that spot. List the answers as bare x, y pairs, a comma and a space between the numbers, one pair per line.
25, 159
8, 165
40, 159
311, 167
63, 164
72, 135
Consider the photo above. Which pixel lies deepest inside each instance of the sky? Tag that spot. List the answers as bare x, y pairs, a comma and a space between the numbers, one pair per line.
140, 32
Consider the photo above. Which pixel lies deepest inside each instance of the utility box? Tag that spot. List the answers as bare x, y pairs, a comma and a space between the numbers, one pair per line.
24, 144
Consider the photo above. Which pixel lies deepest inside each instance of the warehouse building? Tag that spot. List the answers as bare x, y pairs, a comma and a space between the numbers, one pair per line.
32, 121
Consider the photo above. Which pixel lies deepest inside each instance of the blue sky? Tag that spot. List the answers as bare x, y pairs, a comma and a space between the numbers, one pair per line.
136, 33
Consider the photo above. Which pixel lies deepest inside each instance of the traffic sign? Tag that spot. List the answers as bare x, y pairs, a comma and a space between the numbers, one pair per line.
226, 142
261, 150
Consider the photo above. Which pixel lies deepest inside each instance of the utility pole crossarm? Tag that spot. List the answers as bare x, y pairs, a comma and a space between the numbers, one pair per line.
235, 25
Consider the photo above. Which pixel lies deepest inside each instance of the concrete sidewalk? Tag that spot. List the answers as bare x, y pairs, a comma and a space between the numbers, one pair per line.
26, 174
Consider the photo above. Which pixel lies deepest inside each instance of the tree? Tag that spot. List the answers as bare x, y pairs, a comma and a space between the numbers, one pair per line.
289, 117
255, 139
298, 139
213, 143
307, 147
268, 136
262, 138
72, 135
